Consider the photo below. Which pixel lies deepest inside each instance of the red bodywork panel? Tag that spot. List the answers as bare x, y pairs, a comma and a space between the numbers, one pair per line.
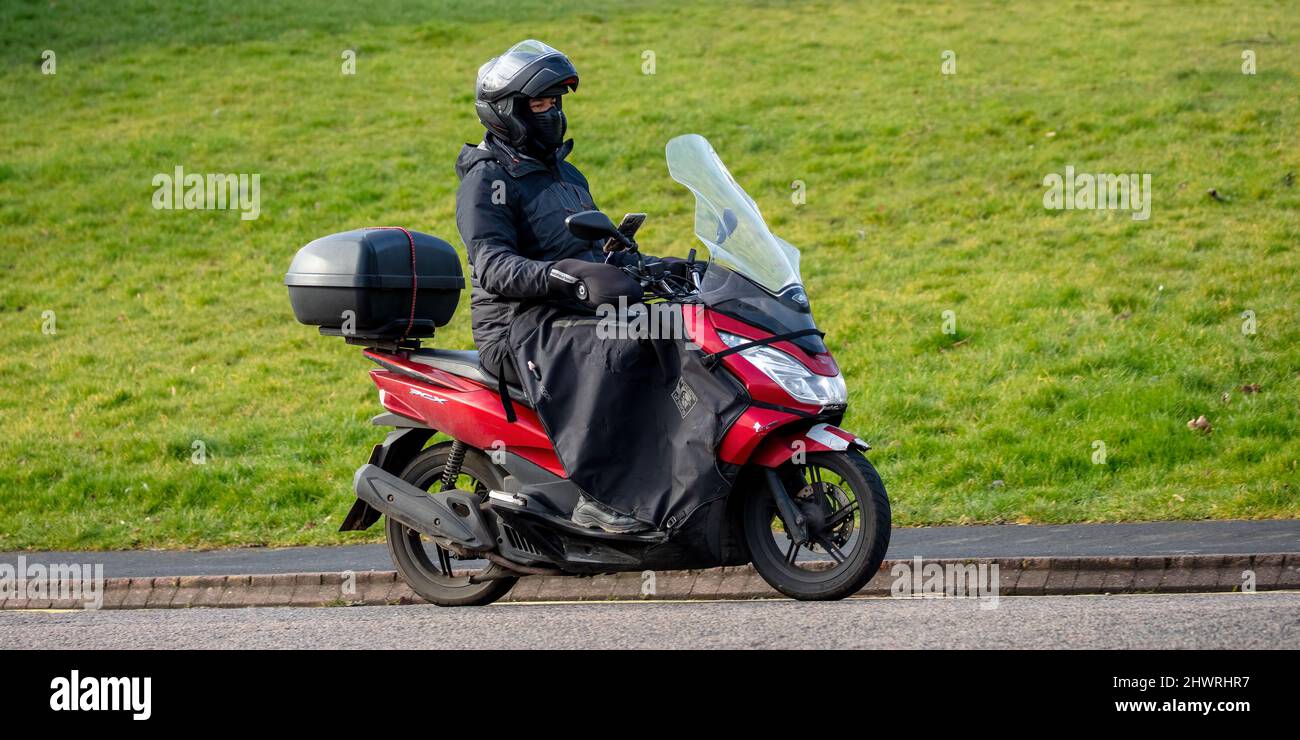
756, 424
472, 412
461, 408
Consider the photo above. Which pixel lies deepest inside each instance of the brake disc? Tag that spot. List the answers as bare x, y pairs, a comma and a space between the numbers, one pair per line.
821, 494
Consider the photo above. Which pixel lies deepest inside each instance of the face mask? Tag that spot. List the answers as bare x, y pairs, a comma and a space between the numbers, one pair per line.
548, 128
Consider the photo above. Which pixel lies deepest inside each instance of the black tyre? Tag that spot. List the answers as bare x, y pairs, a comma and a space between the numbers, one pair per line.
847, 512
432, 572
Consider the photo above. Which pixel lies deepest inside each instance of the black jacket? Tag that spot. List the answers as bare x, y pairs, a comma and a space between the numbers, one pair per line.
510, 210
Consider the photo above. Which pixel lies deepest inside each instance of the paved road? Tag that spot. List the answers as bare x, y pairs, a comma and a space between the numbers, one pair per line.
1153, 538
1233, 621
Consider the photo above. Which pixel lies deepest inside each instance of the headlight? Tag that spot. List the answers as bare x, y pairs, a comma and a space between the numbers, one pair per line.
791, 375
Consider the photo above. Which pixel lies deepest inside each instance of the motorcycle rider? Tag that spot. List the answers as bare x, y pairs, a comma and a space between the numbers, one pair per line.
516, 190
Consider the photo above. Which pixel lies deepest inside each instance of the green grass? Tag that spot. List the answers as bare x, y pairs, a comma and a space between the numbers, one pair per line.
924, 195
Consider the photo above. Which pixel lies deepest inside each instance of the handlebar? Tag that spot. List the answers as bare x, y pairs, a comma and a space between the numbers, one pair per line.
657, 282
653, 278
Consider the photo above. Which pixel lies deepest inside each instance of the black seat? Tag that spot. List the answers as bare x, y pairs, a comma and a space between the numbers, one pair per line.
464, 363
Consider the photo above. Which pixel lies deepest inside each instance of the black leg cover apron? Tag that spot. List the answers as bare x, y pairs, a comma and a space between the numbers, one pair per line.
635, 422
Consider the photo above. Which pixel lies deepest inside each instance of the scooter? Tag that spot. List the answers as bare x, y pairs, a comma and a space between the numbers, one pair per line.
467, 517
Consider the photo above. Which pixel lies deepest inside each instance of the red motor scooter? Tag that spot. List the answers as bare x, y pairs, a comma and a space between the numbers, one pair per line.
467, 517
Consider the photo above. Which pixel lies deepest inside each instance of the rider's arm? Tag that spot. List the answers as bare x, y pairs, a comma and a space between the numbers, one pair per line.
488, 230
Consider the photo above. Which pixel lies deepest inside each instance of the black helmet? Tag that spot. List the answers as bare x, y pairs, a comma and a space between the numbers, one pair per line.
529, 69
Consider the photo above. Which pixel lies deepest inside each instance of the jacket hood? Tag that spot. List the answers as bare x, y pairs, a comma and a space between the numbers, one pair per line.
515, 162
471, 155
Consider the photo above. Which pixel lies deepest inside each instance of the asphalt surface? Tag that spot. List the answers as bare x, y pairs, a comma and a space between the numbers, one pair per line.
1068, 540
1227, 621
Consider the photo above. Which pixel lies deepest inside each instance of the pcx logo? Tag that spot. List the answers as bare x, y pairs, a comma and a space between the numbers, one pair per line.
102, 694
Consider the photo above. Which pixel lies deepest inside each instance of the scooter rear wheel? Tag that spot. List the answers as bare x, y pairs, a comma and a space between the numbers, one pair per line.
846, 510
428, 569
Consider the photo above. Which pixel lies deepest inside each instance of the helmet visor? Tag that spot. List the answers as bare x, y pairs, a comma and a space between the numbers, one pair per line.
499, 73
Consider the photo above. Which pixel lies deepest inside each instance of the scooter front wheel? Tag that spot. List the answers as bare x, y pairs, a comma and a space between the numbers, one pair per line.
846, 514
428, 569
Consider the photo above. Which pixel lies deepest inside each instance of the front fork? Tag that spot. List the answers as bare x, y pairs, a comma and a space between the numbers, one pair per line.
790, 514
780, 447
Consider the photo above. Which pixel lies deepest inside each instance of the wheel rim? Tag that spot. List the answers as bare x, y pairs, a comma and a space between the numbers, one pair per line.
437, 563
832, 511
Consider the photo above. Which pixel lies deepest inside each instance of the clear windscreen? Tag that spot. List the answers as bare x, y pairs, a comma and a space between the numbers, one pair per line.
727, 220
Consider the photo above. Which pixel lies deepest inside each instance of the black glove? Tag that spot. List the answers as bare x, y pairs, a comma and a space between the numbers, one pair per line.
592, 283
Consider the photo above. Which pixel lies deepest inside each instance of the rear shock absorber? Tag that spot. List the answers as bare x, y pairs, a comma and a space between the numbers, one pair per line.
451, 471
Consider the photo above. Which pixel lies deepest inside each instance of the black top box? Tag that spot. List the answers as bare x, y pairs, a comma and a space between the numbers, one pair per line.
359, 283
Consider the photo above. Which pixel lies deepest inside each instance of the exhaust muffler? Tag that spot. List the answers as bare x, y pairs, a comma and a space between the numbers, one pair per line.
450, 515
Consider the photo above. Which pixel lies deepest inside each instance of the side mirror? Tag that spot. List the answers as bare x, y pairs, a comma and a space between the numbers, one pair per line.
590, 225
728, 225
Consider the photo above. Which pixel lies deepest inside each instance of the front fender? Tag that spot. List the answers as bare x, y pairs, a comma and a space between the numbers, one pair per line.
777, 448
